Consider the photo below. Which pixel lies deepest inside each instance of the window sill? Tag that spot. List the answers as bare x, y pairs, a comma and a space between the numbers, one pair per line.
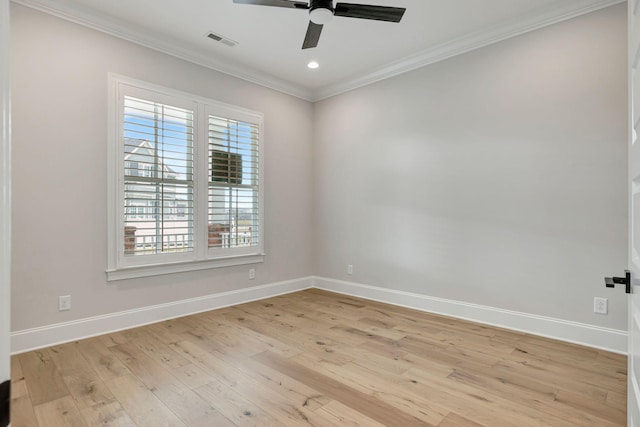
180, 267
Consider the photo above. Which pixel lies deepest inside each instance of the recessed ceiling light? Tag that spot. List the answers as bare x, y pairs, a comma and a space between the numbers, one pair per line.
313, 65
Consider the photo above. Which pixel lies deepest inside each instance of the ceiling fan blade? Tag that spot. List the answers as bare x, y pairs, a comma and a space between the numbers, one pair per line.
276, 3
367, 11
313, 36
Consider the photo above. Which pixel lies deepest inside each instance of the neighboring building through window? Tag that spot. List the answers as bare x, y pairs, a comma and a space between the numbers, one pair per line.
186, 187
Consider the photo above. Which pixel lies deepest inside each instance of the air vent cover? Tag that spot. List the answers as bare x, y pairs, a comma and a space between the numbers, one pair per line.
221, 39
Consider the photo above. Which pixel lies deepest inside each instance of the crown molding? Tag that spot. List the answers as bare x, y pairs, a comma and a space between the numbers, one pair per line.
162, 44
487, 36
541, 18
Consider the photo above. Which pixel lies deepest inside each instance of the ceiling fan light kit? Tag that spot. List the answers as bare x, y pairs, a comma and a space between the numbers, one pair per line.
321, 16
322, 11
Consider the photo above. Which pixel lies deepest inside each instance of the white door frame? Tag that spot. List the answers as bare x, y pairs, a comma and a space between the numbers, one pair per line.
5, 194
633, 371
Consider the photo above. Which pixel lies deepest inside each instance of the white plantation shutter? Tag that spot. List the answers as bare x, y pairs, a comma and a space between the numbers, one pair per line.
234, 183
185, 182
158, 178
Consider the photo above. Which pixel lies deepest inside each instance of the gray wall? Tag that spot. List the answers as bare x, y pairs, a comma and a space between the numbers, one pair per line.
60, 172
496, 177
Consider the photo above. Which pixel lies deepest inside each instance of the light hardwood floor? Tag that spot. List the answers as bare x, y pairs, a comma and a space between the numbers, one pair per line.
322, 359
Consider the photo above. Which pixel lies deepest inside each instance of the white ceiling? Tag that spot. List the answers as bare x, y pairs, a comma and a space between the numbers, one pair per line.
351, 52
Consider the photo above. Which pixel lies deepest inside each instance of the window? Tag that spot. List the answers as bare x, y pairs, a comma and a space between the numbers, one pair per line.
157, 144
233, 183
186, 187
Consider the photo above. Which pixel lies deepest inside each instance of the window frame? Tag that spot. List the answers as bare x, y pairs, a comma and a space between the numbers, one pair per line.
202, 257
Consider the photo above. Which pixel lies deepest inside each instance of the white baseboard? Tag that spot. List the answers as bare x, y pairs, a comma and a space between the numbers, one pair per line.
46, 336
613, 340
579, 333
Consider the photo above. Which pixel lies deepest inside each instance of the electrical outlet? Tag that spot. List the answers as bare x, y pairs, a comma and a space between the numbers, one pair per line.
64, 303
349, 269
600, 305
252, 273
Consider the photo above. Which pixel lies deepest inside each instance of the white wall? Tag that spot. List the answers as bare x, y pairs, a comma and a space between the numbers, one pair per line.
60, 172
496, 177
5, 192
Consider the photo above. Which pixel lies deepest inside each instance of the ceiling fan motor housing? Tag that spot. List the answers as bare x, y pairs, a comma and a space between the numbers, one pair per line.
320, 11
321, 4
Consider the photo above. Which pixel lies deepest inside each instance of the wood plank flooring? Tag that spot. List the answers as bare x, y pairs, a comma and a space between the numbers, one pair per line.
320, 359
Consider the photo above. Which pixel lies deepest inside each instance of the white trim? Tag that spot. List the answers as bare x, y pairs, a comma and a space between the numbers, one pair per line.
574, 332
236, 112
579, 333
540, 18
84, 16
46, 336
632, 412
120, 266
5, 192
180, 267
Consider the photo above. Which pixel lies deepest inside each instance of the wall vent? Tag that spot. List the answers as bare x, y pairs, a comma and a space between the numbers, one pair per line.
221, 39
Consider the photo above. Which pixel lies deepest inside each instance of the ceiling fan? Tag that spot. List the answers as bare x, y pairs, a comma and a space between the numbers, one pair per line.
321, 12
